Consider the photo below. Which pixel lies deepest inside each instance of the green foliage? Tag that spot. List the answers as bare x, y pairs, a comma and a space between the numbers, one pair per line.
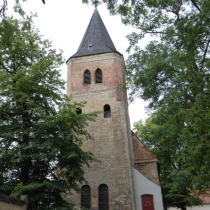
164, 139
40, 132
172, 71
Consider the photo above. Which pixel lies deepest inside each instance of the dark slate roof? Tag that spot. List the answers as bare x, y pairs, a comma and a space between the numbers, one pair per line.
96, 39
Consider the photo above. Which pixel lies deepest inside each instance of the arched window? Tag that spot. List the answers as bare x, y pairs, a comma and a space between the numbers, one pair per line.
107, 111
87, 77
103, 197
86, 196
78, 111
98, 76
147, 202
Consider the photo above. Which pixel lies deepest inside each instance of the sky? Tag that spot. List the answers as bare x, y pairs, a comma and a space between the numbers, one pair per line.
64, 22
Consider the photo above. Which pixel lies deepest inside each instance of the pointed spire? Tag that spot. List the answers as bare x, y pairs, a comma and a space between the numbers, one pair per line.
96, 39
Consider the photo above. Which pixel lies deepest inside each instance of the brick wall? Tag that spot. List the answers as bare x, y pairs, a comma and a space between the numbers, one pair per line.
112, 143
145, 161
149, 170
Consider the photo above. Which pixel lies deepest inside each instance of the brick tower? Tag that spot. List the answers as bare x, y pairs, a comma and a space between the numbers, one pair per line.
96, 75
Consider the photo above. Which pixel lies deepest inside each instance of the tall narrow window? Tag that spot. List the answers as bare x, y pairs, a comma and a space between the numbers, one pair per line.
107, 111
86, 196
147, 202
98, 76
87, 77
103, 199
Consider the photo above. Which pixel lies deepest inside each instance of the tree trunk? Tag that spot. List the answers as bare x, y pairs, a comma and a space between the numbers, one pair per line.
25, 166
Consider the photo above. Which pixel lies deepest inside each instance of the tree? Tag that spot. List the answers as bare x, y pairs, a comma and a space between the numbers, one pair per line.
3, 8
173, 69
4, 5
172, 72
163, 138
40, 132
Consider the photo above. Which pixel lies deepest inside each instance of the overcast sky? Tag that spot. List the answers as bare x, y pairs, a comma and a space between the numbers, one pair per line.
64, 23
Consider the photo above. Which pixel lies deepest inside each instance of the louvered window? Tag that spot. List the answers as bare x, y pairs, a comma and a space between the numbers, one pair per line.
87, 77
103, 197
107, 111
86, 197
98, 76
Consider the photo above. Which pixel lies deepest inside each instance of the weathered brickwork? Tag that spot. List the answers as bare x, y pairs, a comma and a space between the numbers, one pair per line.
112, 143
141, 153
112, 68
145, 161
149, 170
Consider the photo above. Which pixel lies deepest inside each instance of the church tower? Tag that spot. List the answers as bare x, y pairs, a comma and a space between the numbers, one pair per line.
96, 75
